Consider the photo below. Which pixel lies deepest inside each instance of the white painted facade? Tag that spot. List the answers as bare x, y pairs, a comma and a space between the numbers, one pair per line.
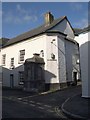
84, 44
58, 70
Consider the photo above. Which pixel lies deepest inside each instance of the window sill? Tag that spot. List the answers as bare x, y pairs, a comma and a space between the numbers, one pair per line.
21, 62
51, 59
3, 65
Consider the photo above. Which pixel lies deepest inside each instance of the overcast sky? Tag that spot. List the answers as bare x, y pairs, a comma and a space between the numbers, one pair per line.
19, 17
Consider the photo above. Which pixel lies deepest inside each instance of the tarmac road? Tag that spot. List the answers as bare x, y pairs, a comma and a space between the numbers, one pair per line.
19, 105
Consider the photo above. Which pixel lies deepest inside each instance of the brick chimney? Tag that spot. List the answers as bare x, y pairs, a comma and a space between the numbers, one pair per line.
48, 18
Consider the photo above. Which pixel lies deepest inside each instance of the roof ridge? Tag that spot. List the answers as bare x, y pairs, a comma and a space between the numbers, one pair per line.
36, 31
41, 26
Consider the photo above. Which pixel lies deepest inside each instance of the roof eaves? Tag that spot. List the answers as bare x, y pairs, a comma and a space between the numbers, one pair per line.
72, 40
56, 32
6, 45
42, 29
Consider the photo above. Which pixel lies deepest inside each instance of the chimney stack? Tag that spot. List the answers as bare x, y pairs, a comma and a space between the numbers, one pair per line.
48, 18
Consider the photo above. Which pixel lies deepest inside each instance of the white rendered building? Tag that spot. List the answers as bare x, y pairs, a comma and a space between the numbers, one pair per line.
55, 43
83, 38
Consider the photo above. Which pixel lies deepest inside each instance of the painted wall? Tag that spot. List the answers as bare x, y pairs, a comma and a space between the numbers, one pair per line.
31, 46
61, 60
71, 63
51, 64
84, 44
55, 69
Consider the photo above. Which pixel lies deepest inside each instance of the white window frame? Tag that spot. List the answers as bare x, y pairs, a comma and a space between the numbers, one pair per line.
3, 59
12, 63
21, 56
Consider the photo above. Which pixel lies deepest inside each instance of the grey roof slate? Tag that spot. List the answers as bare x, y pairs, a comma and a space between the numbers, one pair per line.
42, 29
77, 31
84, 30
3, 41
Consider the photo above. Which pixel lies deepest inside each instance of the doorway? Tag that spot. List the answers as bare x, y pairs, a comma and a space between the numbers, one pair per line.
11, 80
75, 77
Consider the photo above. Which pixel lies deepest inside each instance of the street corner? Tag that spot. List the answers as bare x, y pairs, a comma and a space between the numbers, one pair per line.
76, 107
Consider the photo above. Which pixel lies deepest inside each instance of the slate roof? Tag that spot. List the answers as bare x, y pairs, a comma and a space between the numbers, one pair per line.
77, 31
34, 32
3, 41
84, 30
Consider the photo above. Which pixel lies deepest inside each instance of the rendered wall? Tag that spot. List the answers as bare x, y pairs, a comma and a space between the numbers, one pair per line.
84, 43
71, 64
31, 46
51, 64
61, 60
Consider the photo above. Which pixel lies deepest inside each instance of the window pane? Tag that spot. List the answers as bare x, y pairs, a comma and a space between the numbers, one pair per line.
22, 54
21, 77
12, 62
3, 59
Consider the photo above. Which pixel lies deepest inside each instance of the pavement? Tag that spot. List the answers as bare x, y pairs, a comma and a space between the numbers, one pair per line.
77, 107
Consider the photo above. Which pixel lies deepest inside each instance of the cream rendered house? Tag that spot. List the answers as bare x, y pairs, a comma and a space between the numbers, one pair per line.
55, 43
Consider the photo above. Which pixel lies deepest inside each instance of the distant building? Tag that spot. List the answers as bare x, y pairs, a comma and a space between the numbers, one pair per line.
54, 42
83, 38
3, 41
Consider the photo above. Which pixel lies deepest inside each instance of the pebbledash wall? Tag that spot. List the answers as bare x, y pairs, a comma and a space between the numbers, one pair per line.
58, 71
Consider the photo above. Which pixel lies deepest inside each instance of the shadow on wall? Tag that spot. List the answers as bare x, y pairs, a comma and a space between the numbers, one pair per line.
49, 78
85, 67
13, 78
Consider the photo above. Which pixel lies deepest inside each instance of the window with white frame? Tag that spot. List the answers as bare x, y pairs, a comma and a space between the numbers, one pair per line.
12, 62
3, 59
21, 55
